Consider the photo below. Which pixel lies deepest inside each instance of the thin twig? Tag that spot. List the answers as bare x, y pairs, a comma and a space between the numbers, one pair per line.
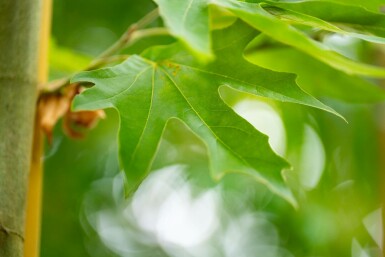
126, 37
106, 60
132, 34
106, 57
57, 84
143, 33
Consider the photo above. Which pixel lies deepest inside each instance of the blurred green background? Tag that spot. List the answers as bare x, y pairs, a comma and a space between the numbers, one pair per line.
179, 210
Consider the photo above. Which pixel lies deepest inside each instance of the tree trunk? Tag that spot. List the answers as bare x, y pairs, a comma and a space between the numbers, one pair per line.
19, 32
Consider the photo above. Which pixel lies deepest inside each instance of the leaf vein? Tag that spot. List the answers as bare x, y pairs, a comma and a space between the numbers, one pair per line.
147, 119
125, 90
238, 80
184, 18
209, 127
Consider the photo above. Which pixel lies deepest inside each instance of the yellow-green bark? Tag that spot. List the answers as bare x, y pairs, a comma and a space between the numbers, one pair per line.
19, 22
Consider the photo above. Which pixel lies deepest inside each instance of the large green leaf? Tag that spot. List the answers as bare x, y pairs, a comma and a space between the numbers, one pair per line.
188, 20
281, 31
167, 83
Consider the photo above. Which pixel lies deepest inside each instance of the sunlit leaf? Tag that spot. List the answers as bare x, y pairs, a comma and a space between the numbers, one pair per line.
300, 18
325, 82
188, 20
342, 14
372, 5
221, 18
167, 83
262, 20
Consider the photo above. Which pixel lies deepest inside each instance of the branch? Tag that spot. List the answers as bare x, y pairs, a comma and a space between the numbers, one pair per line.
18, 90
134, 33
58, 84
126, 37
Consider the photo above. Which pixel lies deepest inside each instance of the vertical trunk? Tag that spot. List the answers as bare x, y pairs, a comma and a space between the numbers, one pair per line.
34, 194
19, 21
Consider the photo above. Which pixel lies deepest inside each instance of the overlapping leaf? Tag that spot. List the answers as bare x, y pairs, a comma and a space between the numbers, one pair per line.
305, 12
304, 19
167, 83
189, 22
262, 20
325, 82
340, 14
372, 5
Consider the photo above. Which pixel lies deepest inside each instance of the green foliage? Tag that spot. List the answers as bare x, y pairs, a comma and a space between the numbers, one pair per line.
335, 193
327, 82
261, 19
189, 22
184, 80
171, 84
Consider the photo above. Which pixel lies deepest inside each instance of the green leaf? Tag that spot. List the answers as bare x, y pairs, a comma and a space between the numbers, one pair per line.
168, 83
300, 18
221, 18
344, 15
279, 30
188, 20
372, 5
326, 82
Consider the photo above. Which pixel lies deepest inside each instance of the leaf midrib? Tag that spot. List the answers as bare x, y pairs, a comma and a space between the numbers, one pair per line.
209, 127
184, 17
244, 82
111, 98
148, 117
